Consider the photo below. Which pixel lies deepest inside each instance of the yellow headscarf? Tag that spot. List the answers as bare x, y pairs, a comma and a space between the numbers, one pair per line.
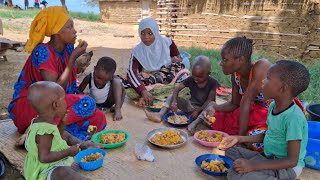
48, 22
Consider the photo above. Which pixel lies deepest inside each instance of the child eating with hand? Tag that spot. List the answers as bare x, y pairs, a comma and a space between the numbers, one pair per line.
49, 155
285, 140
202, 89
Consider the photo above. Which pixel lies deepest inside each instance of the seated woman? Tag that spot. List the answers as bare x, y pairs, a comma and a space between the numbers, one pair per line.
246, 111
156, 60
54, 61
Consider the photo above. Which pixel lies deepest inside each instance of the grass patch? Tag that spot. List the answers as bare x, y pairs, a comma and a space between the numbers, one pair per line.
10, 13
311, 95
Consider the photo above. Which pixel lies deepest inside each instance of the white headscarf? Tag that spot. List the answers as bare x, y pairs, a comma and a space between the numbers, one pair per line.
158, 53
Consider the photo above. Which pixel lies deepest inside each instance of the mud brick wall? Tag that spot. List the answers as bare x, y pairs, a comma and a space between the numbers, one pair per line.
285, 28
127, 12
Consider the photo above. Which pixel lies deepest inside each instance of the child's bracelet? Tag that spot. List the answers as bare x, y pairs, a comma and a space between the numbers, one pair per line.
174, 104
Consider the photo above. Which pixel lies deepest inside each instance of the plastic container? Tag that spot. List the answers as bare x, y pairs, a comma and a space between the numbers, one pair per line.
178, 113
211, 132
96, 138
155, 109
208, 158
314, 112
312, 158
90, 166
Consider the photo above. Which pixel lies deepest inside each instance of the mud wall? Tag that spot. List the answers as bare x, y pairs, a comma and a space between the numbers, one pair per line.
127, 12
286, 28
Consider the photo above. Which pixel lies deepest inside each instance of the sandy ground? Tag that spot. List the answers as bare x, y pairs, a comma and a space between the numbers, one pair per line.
100, 38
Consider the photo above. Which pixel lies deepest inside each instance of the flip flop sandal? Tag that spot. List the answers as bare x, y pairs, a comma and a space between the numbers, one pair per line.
225, 89
2, 167
220, 93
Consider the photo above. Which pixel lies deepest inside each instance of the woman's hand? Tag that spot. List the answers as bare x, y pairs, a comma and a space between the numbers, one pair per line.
79, 50
147, 97
228, 142
175, 59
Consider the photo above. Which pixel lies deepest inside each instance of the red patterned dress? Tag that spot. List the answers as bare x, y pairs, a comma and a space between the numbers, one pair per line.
82, 108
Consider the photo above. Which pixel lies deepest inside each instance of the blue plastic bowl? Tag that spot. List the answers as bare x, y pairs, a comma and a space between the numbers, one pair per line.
90, 166
208, 158
155, 109
165, 117
312, 158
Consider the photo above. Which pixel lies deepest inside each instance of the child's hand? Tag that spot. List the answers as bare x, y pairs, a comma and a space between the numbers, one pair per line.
208, 113
79, 50
243, 166
195, 114
73, 150
228, 142
65, 117
174, 107
90, 144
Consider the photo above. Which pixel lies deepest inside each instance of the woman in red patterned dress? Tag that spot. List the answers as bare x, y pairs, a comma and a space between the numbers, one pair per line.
54, 61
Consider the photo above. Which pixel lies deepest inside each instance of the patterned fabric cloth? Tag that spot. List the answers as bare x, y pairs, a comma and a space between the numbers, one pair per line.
82, 108
259, 97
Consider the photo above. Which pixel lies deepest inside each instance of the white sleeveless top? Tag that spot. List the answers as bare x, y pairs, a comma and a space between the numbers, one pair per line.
99, 95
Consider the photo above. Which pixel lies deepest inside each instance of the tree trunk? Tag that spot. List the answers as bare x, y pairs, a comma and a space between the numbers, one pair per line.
63, 3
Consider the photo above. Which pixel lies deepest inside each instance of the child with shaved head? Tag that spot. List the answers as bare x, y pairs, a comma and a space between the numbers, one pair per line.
49, 154
202, 89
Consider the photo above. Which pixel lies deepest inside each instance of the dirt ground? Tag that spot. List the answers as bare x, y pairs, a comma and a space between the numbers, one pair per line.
100, 38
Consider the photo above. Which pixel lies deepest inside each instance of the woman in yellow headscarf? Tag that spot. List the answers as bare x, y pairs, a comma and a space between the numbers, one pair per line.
54, 61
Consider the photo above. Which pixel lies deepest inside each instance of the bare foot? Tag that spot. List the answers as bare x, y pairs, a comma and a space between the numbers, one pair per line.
192, 127
152, 116
117, 115
112, 109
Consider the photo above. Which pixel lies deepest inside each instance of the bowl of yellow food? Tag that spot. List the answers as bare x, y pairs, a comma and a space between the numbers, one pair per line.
184, 119
169, 138
111, 139
90, 159
157, 105
209, 138
213, 164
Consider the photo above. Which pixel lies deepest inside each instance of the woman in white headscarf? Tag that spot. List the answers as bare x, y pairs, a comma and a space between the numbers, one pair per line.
156, 59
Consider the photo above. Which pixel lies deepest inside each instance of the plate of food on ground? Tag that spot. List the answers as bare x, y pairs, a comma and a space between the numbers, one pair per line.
157, 105
111, 138
179, 119
209, 138
213, 164
169, 138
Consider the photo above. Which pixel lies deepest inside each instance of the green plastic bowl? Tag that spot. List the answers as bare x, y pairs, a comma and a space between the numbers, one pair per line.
96, 138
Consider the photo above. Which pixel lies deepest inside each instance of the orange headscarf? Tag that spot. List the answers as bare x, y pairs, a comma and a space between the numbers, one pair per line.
48, 22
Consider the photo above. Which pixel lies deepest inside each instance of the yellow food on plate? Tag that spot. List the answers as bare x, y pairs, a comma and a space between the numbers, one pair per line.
212, 119
157, 105
183, 119
168, 137
214, 166
205, 136
92, 157
112, 138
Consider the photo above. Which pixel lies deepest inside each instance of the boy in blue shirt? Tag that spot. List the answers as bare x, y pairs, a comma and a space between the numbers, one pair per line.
285, 140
